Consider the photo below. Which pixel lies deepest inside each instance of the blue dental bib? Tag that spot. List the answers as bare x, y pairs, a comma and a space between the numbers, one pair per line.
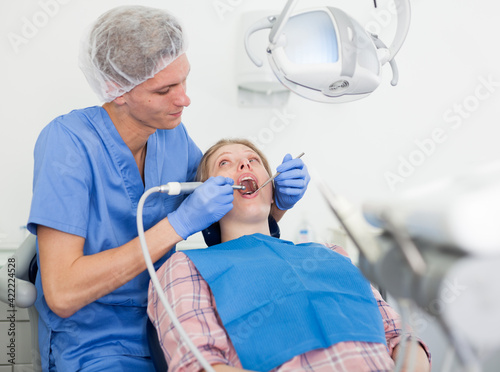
278, 300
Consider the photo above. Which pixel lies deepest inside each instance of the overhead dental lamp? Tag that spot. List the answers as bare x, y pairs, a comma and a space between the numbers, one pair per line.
325, 55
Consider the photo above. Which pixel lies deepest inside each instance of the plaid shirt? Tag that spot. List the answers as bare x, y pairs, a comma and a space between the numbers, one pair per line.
193, 303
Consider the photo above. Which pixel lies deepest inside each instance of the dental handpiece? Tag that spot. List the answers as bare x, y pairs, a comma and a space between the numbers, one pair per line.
177, 188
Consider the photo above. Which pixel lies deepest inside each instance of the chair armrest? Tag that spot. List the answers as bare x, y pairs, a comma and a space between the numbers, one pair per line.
14, 275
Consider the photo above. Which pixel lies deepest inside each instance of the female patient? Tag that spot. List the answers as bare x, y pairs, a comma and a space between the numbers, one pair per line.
255, 302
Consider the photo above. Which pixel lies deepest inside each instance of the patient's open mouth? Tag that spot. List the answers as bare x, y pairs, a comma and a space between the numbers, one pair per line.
250, 185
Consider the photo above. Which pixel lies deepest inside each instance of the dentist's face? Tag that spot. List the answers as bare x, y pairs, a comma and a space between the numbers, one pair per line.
158, 102
245, 167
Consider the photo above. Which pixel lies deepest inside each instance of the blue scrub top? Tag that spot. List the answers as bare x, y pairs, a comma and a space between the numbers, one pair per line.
87, 183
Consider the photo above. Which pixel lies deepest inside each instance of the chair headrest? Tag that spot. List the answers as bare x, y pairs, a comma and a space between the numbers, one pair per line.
212, 234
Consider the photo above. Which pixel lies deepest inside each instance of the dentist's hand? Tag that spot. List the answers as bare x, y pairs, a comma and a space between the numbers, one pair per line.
206, 205
291, 185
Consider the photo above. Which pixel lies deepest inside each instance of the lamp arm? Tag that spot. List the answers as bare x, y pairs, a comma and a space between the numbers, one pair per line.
282, 20
262, 24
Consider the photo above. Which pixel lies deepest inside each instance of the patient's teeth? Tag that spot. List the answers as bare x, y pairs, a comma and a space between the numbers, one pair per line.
250, 184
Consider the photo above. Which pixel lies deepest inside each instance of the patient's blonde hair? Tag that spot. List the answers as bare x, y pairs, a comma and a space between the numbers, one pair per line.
203, 169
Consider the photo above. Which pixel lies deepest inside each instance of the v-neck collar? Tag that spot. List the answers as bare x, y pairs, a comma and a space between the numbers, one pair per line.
123, 158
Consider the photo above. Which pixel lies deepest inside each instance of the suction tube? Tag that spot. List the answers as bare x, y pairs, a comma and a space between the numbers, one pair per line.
156, 282
171, 188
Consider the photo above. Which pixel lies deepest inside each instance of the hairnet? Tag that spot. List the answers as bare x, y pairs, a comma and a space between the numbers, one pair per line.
128, 45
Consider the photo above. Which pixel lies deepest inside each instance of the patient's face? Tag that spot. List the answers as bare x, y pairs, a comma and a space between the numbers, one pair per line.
245, 167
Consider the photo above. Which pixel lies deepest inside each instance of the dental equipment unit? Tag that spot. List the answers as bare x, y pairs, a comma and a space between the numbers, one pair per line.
325, 55
270, 179
435, 246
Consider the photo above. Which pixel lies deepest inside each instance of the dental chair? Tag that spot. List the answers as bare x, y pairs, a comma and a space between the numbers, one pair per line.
23, 265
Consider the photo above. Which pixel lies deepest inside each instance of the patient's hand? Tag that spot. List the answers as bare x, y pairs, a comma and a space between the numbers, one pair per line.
422, 363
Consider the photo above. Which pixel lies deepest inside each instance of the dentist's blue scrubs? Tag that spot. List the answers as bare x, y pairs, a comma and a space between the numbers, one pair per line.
87, 183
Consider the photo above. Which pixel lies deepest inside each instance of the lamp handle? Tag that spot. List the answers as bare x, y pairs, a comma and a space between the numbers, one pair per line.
282, 20
267, 22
